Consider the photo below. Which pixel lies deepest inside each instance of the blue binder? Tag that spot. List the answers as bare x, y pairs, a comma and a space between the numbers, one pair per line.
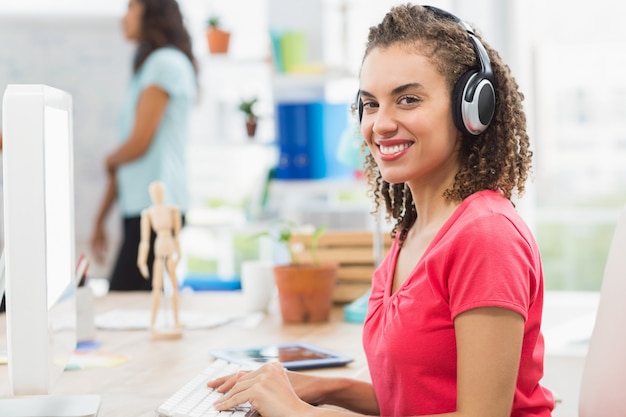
326, 123
294, 158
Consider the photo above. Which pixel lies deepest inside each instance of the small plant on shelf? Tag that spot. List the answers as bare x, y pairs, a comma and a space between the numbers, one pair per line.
286, 233
213, 22
247, 107
217, 38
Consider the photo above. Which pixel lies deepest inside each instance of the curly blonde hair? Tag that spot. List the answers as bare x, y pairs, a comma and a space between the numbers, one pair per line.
497, 159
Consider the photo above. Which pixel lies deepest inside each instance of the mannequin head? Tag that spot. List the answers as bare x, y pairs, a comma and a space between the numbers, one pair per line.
157, 192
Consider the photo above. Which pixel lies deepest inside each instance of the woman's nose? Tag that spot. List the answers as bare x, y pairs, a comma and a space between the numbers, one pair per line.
384, 122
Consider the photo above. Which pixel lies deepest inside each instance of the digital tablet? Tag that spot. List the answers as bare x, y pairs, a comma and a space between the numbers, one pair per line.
293, 356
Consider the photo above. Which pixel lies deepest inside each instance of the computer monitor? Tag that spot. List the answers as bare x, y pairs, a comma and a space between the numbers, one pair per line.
39, 251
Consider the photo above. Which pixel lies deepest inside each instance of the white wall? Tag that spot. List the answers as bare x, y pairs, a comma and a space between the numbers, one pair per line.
63, 7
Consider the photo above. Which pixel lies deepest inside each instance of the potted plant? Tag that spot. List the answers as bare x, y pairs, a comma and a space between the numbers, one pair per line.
246, 106
217, 38
305, 289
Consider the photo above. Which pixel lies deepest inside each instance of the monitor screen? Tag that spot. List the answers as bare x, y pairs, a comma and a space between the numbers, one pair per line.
39, 235
59, 209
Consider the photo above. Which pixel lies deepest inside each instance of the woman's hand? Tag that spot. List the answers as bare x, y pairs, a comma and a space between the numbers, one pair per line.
99, 243
304, 385
268, 390
109, 165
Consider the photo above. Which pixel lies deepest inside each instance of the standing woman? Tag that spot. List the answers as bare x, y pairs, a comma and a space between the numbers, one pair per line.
453, 325
153, 130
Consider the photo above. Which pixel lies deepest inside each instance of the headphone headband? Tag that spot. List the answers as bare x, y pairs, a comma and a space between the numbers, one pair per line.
481, 53
473, 96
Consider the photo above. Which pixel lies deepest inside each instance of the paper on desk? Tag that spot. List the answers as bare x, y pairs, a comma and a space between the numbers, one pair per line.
129, 319
86, 360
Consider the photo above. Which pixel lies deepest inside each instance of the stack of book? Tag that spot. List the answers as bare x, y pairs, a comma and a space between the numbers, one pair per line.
308, 137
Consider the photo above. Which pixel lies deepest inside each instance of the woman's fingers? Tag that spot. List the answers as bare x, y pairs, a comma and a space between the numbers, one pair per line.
225, 383
267, 389
236, 391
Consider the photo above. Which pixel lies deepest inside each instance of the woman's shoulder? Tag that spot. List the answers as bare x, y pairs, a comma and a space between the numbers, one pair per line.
490, 214
488, 202
167, 56
171, 69
169, 52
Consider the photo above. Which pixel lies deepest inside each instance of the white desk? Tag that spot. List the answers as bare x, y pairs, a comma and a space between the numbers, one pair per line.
568, 319
158, 368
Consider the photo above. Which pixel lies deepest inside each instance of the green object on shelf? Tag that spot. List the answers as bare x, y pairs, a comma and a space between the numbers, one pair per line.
293, 51
356, 311
197, 264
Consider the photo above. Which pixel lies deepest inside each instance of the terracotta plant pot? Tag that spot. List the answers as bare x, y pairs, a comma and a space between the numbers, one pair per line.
251, 124
305, 292
218, 40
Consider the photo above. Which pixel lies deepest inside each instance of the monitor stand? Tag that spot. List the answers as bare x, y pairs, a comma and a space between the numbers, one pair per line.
47, 405
51, 406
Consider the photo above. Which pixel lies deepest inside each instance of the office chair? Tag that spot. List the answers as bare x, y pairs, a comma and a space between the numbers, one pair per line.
604, 375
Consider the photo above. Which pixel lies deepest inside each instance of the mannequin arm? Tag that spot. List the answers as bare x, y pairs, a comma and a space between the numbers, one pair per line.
144, 244
177, 222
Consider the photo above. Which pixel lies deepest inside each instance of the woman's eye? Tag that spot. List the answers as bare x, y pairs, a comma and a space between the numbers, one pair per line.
369, 105
409, 100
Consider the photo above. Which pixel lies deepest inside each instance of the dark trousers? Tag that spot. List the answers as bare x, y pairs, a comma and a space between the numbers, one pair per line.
126, 275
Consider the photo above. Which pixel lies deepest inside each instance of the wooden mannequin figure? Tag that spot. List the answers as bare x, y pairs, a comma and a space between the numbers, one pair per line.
166, 222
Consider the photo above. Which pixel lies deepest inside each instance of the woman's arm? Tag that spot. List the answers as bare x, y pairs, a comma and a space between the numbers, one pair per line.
489, 344
348, 393
150, 109
290, 391
273, 392
99, 238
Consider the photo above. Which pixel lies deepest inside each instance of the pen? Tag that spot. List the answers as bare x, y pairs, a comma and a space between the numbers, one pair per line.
81, 270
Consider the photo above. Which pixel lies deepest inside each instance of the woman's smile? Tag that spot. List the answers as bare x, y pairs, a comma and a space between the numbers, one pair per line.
390, 150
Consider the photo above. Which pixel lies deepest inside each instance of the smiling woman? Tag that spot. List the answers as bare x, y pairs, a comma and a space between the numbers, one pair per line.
453, 320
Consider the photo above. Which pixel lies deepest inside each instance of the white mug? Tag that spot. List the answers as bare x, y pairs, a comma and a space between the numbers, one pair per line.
257, 284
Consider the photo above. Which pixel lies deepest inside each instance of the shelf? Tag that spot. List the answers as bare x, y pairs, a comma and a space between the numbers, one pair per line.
311, 87
224, 61
325, 185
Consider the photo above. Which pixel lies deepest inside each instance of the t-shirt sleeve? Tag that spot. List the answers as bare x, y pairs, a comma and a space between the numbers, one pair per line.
166, 69
494, 266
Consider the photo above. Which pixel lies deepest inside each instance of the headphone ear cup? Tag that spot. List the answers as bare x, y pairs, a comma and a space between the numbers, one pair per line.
360, 106
457, 101
473, 103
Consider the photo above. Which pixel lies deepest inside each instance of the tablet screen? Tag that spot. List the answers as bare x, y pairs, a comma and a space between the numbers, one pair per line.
291, 355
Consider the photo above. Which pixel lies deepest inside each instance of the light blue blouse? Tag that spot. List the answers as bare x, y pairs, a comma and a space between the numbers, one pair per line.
169, 69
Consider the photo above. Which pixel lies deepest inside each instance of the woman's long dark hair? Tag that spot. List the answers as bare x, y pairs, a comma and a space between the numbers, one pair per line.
162, 25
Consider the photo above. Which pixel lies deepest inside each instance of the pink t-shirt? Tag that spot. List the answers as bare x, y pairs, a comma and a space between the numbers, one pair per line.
484, 255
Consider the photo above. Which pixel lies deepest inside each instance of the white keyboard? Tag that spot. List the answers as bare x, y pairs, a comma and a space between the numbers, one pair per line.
195, 399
